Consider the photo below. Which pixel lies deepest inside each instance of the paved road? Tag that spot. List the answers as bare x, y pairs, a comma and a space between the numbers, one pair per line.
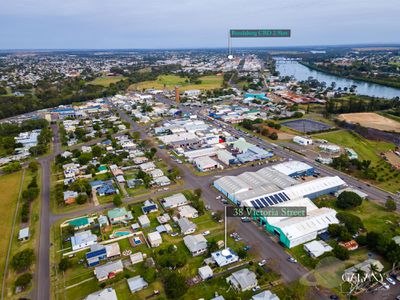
42, 276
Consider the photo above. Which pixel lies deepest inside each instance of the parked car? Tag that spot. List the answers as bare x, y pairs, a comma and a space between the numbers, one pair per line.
262, 262
246, 248
292, 260
245, 219
256, 288
385, 285
206, 232
391, 281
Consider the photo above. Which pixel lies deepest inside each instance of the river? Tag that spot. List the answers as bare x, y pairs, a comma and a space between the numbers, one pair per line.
300, 72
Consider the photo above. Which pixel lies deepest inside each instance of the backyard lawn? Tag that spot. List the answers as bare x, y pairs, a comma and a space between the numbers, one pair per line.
106, 80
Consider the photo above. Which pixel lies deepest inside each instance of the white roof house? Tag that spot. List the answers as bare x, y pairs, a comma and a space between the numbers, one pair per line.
187, 211
103, 272
243, 280
302, 140
205, 163
317, 248
23, 234
83, 239
156, 173
265, 295
144, 221
137, 283
186, 226
205, 272
162, 181
197, 244
136, 257
224, 257
146, 167
106, 294
154, 239
174, 201
364, 266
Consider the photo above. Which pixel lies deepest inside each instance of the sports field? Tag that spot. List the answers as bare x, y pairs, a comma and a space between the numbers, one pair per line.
170, 81
371, 120
306, 126
106, 80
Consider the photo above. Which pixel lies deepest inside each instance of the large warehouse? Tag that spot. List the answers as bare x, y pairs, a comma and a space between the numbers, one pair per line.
274, 186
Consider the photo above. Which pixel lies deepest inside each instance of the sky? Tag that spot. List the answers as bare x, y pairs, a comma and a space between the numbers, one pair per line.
134, 24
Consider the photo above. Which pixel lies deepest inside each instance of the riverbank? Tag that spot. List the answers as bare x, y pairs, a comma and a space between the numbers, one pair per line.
356, 78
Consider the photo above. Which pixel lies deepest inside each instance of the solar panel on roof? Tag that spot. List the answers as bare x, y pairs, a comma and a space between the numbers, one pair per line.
281, 198
286, 196
260, 204
269, 200
265, 202
274, 198
254, 204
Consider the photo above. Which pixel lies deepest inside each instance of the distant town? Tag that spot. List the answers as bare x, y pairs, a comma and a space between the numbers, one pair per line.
118, 166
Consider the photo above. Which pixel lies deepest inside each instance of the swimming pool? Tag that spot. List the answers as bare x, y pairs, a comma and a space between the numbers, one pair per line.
121, 233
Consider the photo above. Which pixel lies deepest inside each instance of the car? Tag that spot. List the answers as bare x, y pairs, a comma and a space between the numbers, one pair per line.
218, 197
292, 260
245, 219
391, 281
398, 297
262, 262
246, 248
174, 234
333, 297
207, 232
256, 288
385, 285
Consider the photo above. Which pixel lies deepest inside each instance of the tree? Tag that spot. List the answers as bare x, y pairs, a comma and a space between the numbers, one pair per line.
23, 260
12, 167
135, 135
390, 204
273, 136
64, 264
84, 158
341, 252
23, 280
96, 151
350, 221
242, 253
174, 285
81, 199
81, 186
33, 166
348, 200
117, 201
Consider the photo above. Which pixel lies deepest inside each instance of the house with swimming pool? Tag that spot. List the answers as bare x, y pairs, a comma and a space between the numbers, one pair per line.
119, 215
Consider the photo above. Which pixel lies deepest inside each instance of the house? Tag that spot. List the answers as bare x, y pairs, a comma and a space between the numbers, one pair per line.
242, 280
113, 250
154, 239
164, 218
366, 266
186, 226
350, 245
132, 183
144, 221
104, 188
103, 221
197, 244
265, 295
106, 294
317, 248
23, 234
95, 255
136, 258
187, 211
205, 272
119, 215
174, 201
149, 206
161, 181
108, 270
83, 239
147, 167
70, 197
136, 283
156, 173
224, 257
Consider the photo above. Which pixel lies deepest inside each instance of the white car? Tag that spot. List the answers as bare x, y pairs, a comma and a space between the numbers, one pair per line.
256, 288
391, 281
206, 232
385, 285
262, 262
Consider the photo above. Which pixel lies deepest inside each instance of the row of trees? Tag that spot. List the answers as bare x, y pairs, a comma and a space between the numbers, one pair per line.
30, 193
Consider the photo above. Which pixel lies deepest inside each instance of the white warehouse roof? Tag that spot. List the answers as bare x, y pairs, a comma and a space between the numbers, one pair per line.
291, 167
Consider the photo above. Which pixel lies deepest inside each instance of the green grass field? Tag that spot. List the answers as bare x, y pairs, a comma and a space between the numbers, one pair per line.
387, 178
170, 81
9, 187
106, 80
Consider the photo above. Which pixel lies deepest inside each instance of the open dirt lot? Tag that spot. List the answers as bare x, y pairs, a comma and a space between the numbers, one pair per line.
393, 159
371, 120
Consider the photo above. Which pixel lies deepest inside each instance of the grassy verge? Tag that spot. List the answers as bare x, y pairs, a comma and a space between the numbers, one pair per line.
9, 186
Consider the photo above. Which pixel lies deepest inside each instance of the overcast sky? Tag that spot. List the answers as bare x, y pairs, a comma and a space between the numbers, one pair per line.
46, 24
